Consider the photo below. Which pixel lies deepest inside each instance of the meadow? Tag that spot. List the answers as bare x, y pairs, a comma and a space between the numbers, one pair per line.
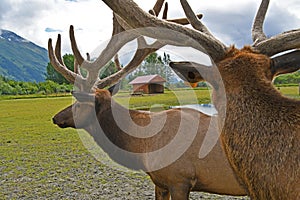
41, 161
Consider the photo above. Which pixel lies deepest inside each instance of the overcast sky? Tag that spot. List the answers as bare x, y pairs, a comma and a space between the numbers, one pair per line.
229, 20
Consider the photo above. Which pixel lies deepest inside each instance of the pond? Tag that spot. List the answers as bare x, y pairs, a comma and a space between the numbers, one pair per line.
207, 109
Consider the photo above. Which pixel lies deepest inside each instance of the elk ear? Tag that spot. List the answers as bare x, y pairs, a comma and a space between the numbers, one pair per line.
287, 63
114, 89
84, 96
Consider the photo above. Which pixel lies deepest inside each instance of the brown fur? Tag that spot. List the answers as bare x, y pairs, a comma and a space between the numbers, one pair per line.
188, 173
261, 134
262, 128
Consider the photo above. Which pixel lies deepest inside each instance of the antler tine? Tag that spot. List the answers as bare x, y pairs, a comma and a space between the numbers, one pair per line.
183, 21
165, 13
75, 49
139, 19
193, 19
283, 42
56, 61
58, 50
112, 48
258, 34
88, 56
157, 8
77, 66
143, 50
270, 46
141, 53
93, 68
117, 62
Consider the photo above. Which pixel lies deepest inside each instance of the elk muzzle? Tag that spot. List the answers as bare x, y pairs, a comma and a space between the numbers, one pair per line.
64, 118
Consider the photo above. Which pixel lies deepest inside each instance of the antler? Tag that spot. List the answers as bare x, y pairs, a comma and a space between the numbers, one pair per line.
143, 49
169, 31
86, 83
258, 34
118, 40
271, 46
202, 39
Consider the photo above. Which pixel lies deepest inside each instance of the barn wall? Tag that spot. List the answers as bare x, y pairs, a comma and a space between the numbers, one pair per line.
148, 88
144, 88
156, 88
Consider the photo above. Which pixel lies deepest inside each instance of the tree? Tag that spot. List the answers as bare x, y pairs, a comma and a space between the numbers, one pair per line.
168, 73
154, 64
293, 78
48, 87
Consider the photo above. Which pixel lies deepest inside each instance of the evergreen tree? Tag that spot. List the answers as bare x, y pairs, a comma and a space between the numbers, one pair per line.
154, 64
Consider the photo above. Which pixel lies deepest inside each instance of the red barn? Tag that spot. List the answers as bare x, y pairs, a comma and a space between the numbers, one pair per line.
150, 84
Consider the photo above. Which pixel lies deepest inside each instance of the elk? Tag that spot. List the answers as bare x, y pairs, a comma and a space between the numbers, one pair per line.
261, 128
169, 158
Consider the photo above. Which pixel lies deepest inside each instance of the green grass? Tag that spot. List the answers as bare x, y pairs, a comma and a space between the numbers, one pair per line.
181, 97
291, 91
35, 154
33, 96
31, 147
169, 98
40, 160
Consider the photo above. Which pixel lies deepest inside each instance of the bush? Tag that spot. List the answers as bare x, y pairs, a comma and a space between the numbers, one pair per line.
11, 87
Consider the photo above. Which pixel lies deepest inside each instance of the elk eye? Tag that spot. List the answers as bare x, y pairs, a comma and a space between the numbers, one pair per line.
191, 75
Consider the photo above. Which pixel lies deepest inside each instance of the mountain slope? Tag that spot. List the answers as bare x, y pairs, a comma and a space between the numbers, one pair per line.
21, 59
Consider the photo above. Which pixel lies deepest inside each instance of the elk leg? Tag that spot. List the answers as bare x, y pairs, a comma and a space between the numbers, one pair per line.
181, 192
161, 194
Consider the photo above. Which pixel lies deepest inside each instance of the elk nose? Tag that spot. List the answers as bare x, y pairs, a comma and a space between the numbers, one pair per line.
54, 120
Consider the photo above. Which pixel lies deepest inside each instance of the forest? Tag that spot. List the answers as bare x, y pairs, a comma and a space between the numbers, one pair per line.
153, 64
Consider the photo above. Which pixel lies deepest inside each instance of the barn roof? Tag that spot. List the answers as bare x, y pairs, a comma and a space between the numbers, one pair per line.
147, 79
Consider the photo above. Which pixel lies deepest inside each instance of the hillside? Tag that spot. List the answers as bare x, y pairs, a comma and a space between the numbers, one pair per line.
21, 59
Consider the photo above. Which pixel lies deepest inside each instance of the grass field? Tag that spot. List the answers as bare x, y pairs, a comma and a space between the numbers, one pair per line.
293, 92
169, 98
41, 161
32, 148
181, 97
38, 159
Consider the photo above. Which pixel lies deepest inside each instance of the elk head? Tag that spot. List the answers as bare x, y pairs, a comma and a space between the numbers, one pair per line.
82, 113
287, 63
92, 96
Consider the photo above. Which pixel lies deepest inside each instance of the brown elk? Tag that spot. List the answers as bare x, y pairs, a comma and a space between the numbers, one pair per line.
261, 130
171, 155
187, 173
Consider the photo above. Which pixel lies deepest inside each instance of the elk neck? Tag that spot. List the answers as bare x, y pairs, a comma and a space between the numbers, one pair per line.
124, 133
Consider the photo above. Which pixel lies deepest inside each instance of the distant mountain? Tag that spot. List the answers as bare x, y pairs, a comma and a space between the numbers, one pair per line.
21, 59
